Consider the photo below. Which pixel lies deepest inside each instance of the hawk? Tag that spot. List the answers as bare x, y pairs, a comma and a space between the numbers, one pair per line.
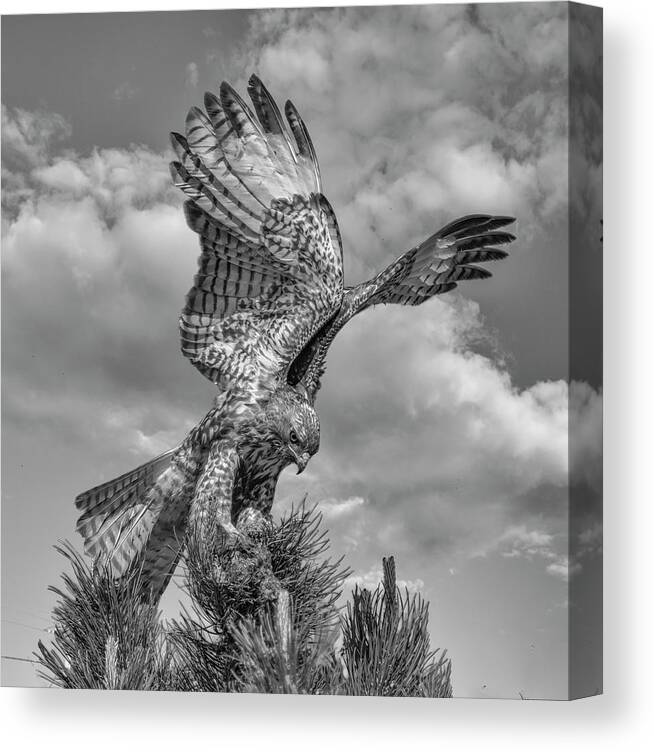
266, 303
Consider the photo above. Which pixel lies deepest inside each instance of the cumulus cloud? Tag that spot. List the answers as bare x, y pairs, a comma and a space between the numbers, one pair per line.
446, 449
27, 136
96, 260
26, 139
405, 102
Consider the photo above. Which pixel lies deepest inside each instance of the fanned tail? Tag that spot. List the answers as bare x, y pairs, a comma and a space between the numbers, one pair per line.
118, 516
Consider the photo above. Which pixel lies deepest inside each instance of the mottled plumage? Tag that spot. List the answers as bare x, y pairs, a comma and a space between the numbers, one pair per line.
266, 302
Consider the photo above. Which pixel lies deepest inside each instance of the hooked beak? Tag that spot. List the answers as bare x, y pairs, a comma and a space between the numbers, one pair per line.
301, 461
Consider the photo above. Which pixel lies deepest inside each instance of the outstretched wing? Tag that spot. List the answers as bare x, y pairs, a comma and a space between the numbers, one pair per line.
271, 270
439, 263
433, 267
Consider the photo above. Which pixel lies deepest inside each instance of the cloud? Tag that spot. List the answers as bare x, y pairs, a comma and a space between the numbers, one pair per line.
563, 568
518, 542
192, 75
335, 508
125, 91
586, 416
27, 136
446, 450
523, 542
96, 261
405, 102
590, 539
115, 180
371, 579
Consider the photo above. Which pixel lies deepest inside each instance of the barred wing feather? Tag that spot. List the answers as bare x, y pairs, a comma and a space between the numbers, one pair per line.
440, 262
270, 273
433, 267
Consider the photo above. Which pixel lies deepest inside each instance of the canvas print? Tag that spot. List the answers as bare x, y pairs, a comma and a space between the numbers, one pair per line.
301, 335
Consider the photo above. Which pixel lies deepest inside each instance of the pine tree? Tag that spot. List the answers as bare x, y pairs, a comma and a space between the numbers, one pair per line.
386, 644
106, 636
264, 618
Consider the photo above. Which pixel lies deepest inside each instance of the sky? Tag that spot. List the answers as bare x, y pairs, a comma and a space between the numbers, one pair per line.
445, 428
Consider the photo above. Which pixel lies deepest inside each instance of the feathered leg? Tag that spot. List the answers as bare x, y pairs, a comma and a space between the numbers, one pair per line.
212, 505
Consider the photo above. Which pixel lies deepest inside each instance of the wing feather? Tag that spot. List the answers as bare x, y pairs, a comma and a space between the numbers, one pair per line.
434, 267
304, 143
277, 133
270, 272
442, 259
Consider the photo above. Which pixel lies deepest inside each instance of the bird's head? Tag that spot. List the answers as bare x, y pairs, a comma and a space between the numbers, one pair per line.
295, 426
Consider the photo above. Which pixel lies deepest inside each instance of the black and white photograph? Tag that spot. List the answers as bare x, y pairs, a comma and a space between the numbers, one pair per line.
302, 351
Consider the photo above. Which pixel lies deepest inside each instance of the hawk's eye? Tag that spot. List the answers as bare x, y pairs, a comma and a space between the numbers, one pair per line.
293, 437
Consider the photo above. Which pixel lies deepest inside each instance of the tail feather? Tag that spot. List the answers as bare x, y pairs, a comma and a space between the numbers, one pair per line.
118, 516
99, 500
